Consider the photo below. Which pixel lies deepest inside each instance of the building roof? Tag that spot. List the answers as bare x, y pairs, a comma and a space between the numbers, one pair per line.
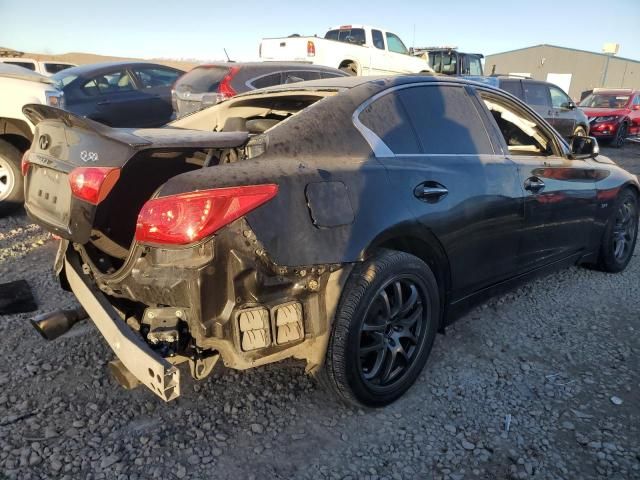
565, 48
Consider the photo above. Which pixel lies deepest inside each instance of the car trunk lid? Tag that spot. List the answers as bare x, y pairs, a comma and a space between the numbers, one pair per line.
64, 142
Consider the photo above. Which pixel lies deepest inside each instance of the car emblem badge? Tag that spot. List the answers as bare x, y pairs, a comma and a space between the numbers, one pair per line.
44, 141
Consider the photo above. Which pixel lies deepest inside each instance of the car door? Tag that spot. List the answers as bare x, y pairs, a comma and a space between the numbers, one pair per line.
380, 58
397, 54
537, 96
634, 114
564, 112
559, 193
441, 161
111, 97
154, 83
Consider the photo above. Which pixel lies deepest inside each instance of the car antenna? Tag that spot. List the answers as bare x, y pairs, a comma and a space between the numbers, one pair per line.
228, 59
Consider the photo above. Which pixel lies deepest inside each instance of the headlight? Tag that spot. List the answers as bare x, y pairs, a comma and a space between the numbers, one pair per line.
55, 99
611, 118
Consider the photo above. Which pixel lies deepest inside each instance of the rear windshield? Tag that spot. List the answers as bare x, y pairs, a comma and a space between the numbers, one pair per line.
350, 35
56, 67
27, 65
605, 100
201, 80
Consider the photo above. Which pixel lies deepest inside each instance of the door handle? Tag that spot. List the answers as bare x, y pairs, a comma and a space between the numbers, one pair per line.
534, 184
430, 192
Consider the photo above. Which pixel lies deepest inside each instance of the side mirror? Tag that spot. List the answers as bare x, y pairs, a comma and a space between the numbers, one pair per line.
583, 148
568, 105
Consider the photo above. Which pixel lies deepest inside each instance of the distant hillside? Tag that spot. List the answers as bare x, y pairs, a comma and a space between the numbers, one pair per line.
81, 58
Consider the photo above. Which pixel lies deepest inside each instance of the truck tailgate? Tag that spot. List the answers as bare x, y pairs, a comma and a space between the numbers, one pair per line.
286, 49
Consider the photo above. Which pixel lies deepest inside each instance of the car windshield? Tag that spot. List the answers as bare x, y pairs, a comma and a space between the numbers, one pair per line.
348, 35
62, 79
605, 100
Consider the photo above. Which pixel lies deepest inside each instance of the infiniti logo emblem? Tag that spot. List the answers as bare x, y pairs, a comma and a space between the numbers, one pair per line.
44, 141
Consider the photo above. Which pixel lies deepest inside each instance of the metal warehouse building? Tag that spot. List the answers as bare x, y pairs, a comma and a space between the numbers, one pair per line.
573, 70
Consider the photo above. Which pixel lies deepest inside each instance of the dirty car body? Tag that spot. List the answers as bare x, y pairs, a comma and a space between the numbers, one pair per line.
236, 232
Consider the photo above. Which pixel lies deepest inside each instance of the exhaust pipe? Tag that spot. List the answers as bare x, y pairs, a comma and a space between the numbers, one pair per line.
53, 324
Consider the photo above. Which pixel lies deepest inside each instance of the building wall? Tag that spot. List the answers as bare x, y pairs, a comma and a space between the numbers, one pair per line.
588, 70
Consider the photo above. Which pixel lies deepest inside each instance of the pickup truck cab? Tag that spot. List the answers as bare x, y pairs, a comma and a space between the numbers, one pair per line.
354, 49
43, 67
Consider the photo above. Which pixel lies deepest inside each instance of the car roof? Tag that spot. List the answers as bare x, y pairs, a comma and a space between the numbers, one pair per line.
91, 68
269, 65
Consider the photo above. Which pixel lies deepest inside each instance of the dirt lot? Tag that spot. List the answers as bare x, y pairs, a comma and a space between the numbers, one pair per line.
542, 383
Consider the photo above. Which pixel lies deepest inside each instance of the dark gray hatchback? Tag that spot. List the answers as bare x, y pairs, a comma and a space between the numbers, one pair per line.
209, 84
547, 99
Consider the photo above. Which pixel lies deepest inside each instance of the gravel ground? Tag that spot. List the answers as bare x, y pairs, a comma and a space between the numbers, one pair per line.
543, 383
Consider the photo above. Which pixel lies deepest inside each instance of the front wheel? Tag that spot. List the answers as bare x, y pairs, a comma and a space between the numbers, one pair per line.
384, 329
621, 135
619, 240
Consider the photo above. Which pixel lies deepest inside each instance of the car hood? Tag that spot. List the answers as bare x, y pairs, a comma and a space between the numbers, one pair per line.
603, 112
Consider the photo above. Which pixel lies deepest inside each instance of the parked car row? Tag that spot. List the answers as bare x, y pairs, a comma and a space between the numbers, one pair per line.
341, 222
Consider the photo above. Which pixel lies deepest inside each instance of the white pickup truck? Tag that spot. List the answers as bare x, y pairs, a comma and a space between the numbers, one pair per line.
355, 49
19, 86
43, 67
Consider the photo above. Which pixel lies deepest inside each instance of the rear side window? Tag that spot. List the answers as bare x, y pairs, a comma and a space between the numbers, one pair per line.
56, 67
388, 119
378, 39
267, 80
27, 65
297, 75
156, 77
347, 35
202, 80
446, 120
514, 87
537, 94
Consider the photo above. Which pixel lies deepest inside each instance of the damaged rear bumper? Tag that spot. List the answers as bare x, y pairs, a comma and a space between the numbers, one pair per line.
160, 376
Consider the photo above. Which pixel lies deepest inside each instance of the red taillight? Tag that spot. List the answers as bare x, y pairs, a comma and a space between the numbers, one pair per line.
189, 217
311, 49
93, 184
24, 164
225, 89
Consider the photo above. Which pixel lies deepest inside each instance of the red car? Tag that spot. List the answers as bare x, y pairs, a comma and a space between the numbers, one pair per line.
613, 114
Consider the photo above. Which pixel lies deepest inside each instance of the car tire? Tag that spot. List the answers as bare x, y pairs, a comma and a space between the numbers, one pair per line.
621, 135
383, 331
11, 182
580, 131
620, 234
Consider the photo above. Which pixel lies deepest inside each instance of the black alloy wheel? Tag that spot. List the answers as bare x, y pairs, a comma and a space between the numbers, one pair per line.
392, 332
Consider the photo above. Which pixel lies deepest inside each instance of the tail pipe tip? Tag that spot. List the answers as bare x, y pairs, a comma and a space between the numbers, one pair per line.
53, 324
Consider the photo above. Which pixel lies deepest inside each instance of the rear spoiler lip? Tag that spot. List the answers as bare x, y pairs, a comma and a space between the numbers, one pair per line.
139, 139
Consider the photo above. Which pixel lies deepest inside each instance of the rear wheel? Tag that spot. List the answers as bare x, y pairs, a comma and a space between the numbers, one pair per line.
620, 234
11, 184
621, 135
383, 331
349, 68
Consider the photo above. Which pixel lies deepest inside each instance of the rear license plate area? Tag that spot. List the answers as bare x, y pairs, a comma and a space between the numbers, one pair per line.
49, 195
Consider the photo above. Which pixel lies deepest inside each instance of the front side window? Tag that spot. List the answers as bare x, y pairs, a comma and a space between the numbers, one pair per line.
395, 44
151, 77
435, 59
378, 39
113, 82
449, 62
475, 66
537, 94
522, 133
559, 99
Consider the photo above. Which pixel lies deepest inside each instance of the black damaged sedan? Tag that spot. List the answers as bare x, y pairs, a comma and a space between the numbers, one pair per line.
341, 222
